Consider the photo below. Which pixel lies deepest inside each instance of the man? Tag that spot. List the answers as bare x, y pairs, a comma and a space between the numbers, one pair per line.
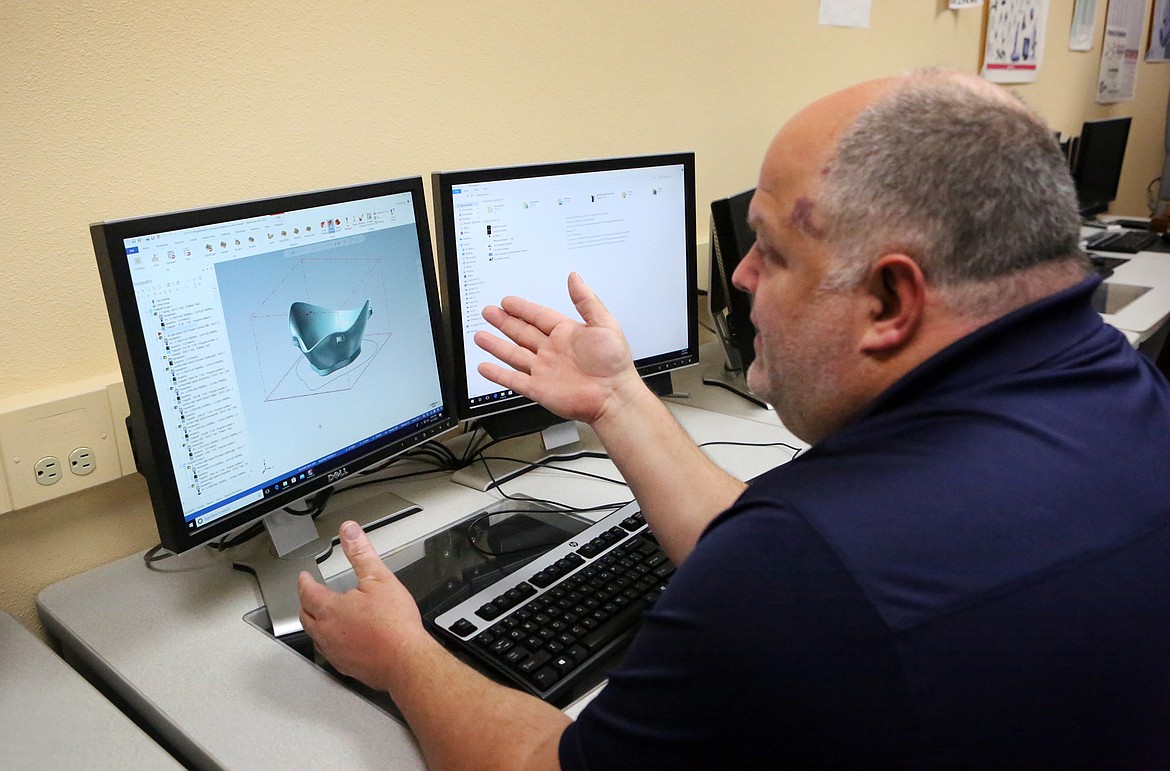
971, 564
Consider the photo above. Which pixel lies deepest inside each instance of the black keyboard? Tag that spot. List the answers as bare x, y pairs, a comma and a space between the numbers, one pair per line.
556, 622
1129, 241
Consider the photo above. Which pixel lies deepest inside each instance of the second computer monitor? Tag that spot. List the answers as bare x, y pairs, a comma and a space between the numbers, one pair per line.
627, 225
731, 240
1099, 156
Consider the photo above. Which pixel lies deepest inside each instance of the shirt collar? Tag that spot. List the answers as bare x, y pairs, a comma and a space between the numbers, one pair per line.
1014, 342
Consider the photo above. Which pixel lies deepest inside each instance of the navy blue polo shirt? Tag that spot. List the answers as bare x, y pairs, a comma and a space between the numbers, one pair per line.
974, 573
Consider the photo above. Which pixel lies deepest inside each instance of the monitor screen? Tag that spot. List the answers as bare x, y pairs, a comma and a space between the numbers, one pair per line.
270, 348
1100, 153
627, 225
730, 240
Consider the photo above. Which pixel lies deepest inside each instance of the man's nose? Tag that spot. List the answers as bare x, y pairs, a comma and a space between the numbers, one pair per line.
745, 275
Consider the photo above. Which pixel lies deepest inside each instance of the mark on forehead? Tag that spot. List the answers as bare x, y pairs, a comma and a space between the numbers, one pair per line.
802, 217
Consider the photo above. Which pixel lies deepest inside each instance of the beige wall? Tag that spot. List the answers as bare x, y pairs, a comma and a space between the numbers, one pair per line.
123, 107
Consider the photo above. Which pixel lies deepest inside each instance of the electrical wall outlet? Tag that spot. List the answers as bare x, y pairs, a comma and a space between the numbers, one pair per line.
83, 461
48, 471
74, 426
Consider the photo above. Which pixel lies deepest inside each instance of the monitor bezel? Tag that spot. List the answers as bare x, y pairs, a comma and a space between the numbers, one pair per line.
148, 440
727, 237
442, 183
1094, 199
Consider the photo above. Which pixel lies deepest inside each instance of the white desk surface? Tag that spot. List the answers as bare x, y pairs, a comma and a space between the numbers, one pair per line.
175, 647
50, 717
1144, 316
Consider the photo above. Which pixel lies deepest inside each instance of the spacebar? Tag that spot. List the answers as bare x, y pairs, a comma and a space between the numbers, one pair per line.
613, 627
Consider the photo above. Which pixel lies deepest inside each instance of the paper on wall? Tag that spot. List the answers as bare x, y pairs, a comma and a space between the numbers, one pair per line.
845, 13
1120, 51
1080, 35
1015, 40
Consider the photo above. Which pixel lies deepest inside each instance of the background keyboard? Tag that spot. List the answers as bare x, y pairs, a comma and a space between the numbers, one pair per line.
1129, 241
557, 621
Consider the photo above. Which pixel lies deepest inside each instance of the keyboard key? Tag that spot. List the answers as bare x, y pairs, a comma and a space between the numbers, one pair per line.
544, 678
534, 662
664, 570
613, 628
489, 612
463, 627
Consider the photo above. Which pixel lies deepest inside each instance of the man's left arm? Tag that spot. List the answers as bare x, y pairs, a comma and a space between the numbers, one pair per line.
460, 718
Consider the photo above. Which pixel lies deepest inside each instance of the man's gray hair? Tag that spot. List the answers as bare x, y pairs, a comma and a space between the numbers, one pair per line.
959, 175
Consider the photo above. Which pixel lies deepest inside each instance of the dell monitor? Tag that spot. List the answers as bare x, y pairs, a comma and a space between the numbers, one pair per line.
270, 349
626, 224
730, 241
1099, 155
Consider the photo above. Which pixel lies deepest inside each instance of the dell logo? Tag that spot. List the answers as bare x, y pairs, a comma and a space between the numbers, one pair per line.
335, 475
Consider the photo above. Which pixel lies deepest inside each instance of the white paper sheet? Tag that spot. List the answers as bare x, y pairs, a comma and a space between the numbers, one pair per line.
1080, 34
845, 13
1120, 51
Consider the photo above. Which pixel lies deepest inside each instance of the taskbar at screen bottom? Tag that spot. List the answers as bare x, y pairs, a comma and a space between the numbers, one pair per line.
334, 466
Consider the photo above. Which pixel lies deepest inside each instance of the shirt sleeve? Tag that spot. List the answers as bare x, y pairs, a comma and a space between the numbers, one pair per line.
762, 652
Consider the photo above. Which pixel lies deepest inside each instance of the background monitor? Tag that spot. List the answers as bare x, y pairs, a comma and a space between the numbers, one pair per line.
1099, 156
730, 241
626, 224
271, 348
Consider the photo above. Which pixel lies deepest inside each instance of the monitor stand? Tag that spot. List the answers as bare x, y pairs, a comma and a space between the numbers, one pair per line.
544, 436
730, 370
540, 435
292, 544
733, 380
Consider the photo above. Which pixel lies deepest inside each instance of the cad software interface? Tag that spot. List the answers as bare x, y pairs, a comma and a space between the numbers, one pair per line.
623, 230
281, 343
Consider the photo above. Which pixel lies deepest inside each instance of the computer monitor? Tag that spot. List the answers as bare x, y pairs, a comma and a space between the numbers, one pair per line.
272, 348
730, 241
626, 224
1099, 155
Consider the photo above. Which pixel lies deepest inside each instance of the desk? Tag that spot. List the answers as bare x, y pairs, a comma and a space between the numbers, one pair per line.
1145, 316
1143, 321
223, 694
51, 718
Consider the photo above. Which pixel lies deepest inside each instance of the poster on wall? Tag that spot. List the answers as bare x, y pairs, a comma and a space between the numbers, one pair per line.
1015, 40
1120, 51
1080, 35
955, 5
1159, 50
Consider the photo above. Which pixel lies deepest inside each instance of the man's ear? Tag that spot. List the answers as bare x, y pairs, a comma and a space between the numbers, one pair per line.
897, 289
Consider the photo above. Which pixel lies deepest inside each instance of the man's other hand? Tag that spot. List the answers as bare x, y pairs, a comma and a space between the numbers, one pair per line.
364, 631
576, 370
